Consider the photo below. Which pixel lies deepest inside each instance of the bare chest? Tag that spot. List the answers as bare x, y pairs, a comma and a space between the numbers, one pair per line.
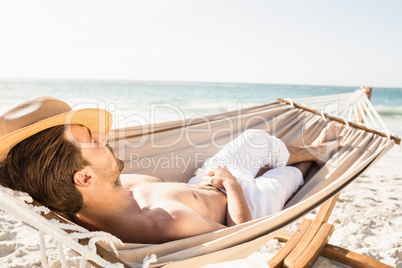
205, 201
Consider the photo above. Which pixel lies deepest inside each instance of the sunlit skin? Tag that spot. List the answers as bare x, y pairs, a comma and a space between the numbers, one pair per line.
143, 209
146, 209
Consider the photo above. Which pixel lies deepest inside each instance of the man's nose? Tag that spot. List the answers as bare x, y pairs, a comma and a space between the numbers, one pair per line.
101, 138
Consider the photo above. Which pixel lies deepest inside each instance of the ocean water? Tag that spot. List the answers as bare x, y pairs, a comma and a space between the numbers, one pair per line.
146, 102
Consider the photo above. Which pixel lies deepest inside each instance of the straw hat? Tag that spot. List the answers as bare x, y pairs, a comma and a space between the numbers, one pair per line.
33, 116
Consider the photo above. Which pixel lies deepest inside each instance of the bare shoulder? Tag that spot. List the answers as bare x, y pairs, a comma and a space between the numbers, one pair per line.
130, 180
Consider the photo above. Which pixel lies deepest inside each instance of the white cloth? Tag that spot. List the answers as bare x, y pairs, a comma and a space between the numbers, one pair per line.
244, 157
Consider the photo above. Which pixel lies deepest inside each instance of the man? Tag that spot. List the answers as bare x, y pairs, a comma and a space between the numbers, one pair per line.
61, 158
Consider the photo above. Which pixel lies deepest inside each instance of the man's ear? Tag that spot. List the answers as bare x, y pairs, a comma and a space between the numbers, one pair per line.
84, 177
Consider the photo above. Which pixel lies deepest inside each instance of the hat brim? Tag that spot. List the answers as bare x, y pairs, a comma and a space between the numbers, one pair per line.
96, 120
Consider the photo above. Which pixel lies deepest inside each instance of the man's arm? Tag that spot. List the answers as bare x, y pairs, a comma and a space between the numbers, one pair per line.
238, 211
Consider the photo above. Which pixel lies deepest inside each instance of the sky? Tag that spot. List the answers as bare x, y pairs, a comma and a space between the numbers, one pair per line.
339, 42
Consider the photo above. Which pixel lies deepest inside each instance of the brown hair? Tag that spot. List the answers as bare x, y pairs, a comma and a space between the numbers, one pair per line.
43, 165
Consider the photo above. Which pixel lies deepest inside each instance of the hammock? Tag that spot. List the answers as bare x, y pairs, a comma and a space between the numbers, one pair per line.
175, 150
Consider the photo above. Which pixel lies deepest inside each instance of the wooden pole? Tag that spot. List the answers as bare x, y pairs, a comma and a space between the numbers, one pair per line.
334, 118
369, 91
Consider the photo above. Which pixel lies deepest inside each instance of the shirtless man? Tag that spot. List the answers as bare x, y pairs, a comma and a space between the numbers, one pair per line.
146, 209
71, 163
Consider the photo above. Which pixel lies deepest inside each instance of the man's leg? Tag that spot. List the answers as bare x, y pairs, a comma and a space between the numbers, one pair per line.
254, 149
320, 149
270, 191
245, 155
304, 167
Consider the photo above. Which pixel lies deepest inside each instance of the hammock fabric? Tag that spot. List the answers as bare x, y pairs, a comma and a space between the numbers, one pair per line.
163, 149
175, 150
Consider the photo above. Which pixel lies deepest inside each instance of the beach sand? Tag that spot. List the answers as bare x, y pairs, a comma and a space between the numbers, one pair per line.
367, 219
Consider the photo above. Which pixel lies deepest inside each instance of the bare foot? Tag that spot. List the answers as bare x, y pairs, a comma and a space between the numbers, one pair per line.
330, 133
326, 143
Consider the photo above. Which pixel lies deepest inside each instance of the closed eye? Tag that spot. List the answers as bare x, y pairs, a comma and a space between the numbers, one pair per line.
93, 141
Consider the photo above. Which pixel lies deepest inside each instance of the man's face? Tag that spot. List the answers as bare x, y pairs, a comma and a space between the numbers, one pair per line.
95, 149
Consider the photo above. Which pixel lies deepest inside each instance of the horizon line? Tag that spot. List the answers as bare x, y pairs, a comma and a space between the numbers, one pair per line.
190, 81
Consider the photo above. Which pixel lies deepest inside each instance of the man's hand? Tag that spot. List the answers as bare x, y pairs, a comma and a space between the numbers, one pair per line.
237, 210
220, 178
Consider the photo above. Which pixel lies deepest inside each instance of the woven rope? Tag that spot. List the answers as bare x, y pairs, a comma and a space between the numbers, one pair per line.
349, 107
13, 202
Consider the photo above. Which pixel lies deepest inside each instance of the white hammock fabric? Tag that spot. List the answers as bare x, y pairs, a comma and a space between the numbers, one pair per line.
347, 106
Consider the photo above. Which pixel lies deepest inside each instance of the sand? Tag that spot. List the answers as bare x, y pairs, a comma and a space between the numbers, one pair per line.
367, 219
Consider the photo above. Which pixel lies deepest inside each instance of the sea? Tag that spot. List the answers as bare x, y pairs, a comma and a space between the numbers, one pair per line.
146, 102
